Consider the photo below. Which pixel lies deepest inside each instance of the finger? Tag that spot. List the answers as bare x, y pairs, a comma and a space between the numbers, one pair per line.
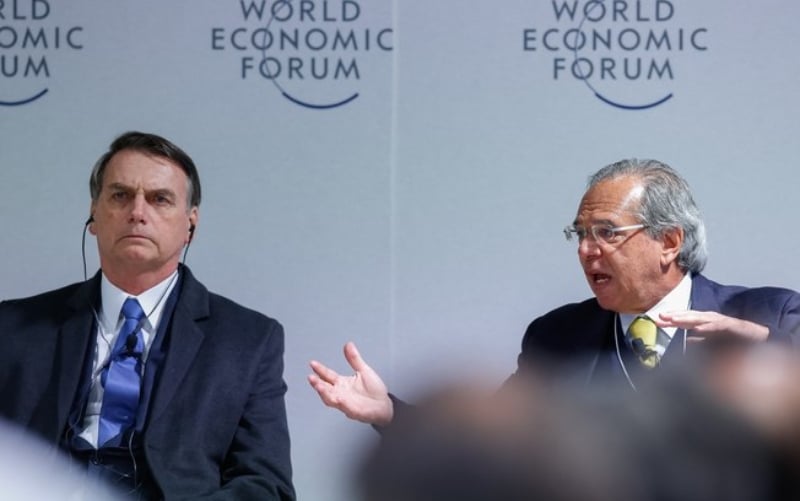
685, 319
677, 323
667, 319
319, 385
680, 316
684, 324
315, 381
323, 390
354, 357
324, 373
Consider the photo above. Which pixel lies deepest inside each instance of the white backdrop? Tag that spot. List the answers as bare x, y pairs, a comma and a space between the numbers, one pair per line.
409, 195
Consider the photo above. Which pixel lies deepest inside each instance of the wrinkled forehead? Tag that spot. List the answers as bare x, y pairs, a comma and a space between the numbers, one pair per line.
613, 196
133, 168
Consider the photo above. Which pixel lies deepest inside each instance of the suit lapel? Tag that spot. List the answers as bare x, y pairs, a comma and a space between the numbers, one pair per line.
72, 350
702, 298
185, 339
596, 340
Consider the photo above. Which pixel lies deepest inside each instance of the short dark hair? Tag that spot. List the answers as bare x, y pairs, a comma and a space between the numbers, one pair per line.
150, 144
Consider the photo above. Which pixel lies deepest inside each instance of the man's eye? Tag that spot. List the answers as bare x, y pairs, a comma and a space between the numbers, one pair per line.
119, 195
605, 233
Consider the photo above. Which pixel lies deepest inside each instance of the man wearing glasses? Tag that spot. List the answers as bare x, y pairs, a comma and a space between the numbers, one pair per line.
642, 245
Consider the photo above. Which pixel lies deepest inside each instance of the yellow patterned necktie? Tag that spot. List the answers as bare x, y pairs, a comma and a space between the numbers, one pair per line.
643, 332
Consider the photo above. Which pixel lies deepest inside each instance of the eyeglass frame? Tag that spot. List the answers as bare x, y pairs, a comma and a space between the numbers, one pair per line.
571, 231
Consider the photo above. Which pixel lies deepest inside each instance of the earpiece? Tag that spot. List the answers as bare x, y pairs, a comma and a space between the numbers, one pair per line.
86, 226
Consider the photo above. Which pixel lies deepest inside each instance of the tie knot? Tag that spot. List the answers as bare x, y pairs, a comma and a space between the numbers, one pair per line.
645, 329
132, 310
643, 332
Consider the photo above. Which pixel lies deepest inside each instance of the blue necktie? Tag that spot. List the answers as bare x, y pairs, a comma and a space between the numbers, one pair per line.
122, 378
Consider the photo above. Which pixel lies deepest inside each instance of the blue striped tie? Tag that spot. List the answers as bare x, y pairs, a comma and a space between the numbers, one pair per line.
122, 377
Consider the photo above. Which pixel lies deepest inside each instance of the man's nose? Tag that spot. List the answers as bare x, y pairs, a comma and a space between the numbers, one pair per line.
588, 248
138, 207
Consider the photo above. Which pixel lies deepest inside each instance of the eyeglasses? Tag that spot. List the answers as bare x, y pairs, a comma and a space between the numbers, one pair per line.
600, 232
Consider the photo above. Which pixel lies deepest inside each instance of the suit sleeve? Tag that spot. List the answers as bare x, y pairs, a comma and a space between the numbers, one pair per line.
786, 326
258, 464
539, 352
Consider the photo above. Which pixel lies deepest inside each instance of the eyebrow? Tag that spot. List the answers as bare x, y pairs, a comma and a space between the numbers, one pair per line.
119, 186
596, 221
162, 191
155, 191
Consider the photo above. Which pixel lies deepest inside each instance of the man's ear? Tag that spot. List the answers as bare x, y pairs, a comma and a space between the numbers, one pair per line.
194, 216
90, 221
671, 245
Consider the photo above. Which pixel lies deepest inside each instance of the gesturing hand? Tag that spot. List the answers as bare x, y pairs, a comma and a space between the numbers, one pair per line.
710, 324
362, 396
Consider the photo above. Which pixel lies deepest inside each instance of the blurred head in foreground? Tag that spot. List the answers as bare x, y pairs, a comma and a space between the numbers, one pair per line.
676, 439
30, 469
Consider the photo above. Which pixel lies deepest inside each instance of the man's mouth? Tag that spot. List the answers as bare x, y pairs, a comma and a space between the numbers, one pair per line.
600, 278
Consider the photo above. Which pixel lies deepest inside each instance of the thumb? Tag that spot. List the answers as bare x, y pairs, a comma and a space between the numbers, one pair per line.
354, 358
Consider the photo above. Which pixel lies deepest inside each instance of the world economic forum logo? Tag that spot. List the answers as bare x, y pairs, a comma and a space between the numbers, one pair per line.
628, 53
27, 42
311, 51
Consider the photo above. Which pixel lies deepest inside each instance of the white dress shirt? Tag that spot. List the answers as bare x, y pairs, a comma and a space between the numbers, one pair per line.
109, 323
678, 299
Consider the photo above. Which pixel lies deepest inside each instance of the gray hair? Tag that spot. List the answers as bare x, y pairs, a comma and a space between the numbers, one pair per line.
666, 204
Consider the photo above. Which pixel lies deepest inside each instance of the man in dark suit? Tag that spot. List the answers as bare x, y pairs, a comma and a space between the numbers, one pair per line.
145, 378
641, 244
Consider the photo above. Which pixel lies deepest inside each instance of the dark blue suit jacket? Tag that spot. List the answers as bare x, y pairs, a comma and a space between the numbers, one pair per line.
580, 336
216, 422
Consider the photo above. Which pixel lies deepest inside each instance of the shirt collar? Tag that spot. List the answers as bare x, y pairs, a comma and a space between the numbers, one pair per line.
677, 299
151, 300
